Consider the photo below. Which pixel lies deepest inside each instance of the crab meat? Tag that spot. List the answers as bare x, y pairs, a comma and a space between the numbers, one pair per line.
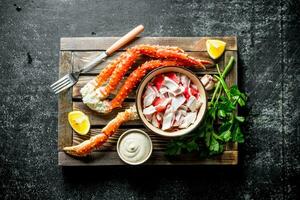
173, 76
188, 120
156, 91
178, 115
183, 107
168, 119
187, 92
155, 122
149, 117
149, 90
158, 81
192, 103
149, 110
185, 81
198, 103
179, 91
177, 102
162, 104
148, 100
170, 84
159, 116
179, 122
194, 90
182, 112
163, 90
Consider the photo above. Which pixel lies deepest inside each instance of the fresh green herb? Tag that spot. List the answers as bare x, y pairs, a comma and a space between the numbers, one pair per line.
221, 124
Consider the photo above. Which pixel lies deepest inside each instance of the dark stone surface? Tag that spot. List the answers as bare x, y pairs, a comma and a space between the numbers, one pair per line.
268, 38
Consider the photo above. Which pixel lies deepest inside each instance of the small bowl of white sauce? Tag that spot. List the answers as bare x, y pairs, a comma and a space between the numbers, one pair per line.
134, 147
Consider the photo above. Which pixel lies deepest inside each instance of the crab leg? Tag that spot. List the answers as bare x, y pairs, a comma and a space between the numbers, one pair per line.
152, 51
106, 106
161, 53
105, 74
102, 77
137, 75
96, 141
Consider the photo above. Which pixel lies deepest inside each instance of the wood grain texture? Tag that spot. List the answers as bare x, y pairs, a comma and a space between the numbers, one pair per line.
102, 43
64, 103
157, 158
84, 50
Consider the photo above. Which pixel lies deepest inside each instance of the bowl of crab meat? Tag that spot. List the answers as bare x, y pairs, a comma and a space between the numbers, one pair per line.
171, 101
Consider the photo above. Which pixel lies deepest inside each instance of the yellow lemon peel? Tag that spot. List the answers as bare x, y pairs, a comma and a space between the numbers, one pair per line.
215, 48
79, 122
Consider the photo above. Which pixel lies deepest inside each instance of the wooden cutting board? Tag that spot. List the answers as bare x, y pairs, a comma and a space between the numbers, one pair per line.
76, 52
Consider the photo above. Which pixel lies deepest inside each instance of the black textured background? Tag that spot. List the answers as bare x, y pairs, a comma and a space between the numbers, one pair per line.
268, 38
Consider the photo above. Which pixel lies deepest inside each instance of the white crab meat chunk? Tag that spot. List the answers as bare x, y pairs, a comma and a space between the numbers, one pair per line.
178, 116
192, 103
159, 116
183, 107
149, 90
149, 110
177, 102
156, 91
182, 112
163, 90
198, 103
185, 81
179, 91
188, 120
168, 120
148, 100
148, 117
170, 84
155, 122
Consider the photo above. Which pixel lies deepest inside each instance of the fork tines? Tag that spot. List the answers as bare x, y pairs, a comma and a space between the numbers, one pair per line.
63, 83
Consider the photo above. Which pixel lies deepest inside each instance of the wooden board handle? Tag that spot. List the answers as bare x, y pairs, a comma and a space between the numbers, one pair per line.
125, 39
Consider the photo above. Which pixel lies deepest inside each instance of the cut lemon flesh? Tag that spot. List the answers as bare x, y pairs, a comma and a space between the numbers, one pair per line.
215, 48
79, 122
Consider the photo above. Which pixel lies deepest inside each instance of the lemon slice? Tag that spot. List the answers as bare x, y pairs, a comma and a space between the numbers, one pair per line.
79, 122
215, 48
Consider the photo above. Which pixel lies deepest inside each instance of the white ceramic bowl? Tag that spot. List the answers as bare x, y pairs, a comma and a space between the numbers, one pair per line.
124, 135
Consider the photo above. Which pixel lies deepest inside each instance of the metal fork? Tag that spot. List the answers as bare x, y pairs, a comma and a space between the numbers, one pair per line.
70, 79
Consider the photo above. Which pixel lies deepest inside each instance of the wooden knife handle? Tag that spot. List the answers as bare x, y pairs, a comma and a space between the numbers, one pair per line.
125, 39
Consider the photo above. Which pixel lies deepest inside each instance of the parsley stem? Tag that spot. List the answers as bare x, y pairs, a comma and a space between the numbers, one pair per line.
221, 80
224, 74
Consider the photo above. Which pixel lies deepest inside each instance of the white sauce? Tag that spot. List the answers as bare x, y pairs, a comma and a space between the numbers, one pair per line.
135, 147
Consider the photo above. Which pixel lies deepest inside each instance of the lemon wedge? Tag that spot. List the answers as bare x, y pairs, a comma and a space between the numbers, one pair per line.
79, 122
215, 48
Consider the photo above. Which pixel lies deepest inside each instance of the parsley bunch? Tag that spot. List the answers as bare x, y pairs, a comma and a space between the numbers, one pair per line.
221, 123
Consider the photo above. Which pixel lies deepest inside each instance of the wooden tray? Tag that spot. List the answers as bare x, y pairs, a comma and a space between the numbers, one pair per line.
75, 52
